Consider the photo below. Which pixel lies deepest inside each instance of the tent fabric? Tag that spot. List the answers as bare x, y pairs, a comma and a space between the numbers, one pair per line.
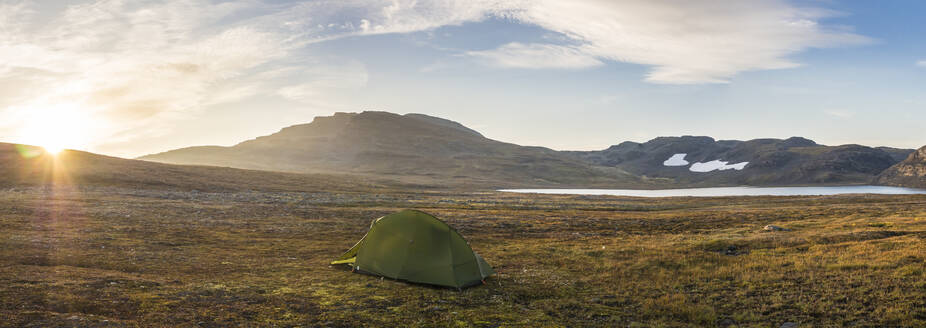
415, 246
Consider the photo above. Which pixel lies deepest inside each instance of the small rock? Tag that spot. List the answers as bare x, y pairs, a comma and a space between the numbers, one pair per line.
73, 317
774, 228
733, 250
726, 322
788, 325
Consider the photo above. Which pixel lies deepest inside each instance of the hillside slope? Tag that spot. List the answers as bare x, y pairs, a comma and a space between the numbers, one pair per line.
414, 147
23, 166
911, 172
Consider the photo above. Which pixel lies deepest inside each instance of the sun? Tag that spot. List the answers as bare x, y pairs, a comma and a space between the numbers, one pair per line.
53, 150
55, 128
55, 138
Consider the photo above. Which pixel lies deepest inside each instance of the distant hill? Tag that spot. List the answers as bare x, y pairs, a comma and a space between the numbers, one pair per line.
414, 147
911, 172
896, 153
703, 161
25, 166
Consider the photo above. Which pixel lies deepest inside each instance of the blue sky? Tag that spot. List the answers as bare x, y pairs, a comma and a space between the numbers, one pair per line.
131, 78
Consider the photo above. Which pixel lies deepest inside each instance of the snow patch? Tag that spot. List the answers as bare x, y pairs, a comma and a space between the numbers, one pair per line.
716, 165
676, 160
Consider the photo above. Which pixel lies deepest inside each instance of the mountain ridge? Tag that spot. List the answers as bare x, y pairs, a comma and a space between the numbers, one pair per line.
414, 146
432, 149
768, 161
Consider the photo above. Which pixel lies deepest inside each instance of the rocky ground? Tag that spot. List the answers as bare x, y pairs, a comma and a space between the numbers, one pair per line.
113, 257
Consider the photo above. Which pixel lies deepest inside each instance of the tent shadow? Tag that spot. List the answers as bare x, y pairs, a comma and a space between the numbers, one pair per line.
347, 268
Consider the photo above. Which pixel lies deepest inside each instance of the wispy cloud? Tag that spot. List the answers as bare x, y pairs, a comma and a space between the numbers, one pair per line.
921, 63
325, 78
685, 42
518, 55
689, 41
323, 20
132, 68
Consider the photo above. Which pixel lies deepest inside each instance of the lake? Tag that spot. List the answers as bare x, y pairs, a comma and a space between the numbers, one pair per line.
731, 191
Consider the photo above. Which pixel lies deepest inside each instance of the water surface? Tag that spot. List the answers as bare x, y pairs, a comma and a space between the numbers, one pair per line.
732, 191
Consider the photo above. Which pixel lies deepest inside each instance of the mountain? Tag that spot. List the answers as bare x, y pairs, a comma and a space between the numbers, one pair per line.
414, 147
29, 166
434, 151
703, 161
911, 172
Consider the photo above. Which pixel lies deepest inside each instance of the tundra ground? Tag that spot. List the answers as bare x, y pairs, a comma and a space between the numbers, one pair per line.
111, 257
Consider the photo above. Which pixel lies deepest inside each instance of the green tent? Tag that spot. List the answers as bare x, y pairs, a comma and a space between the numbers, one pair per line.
414, 246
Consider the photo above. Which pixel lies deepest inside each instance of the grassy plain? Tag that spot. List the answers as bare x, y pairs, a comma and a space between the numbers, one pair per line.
112, 256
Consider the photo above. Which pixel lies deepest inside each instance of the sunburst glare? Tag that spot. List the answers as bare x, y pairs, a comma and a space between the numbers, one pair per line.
55, 128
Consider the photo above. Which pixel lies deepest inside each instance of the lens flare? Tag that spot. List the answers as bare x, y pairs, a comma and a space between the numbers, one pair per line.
27, 151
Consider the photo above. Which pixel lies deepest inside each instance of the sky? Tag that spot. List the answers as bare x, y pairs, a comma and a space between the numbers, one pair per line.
129, 78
